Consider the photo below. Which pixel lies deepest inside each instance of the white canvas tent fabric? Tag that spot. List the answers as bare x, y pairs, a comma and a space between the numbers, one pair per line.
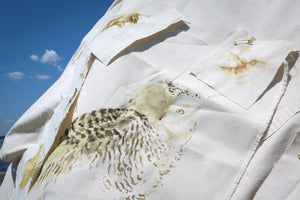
168, 100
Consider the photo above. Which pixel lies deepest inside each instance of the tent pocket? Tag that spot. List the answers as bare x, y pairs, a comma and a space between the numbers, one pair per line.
131, 22
243, 70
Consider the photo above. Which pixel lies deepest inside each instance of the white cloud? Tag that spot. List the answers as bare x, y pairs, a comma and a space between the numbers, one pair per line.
9, 121
16, 75
60, 68
42, 77
34, 57
50, 57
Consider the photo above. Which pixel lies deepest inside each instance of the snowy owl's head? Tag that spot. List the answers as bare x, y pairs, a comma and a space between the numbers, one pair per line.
153, 100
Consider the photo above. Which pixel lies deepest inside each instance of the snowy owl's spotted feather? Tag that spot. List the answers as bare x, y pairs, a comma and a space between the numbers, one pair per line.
125, 142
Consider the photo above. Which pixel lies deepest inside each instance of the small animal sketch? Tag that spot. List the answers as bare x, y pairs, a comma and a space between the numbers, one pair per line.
242, 65
121, 21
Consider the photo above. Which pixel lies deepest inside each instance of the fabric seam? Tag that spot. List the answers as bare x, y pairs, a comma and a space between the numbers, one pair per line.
261, 133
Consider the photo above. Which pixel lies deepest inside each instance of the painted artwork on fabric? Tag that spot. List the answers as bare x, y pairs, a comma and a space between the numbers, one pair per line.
133, 143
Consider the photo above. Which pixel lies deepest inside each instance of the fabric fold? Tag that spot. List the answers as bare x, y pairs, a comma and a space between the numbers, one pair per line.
133, 20
243, 70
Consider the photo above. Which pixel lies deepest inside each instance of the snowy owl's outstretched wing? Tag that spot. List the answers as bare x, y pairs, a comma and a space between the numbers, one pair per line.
121, 139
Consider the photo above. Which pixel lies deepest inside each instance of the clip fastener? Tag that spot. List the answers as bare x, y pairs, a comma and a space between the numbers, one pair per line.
249, 42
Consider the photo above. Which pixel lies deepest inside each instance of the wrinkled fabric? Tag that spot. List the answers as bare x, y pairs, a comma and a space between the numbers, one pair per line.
242, 72
127, 14
169, 100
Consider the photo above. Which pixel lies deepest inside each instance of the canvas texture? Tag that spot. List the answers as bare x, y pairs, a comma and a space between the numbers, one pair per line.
168, 100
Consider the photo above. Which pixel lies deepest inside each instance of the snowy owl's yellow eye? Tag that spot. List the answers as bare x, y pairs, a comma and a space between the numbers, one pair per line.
180, 111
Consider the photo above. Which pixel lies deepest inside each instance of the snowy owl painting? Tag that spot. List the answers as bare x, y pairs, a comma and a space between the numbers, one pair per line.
133, 143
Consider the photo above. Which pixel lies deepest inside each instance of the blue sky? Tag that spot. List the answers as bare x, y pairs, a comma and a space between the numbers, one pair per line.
37, 39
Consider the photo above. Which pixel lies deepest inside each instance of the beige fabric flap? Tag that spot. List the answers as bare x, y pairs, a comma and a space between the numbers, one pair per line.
242, 70
132, 21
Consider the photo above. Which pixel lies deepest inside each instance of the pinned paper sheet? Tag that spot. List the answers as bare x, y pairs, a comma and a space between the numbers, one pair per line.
243, 71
